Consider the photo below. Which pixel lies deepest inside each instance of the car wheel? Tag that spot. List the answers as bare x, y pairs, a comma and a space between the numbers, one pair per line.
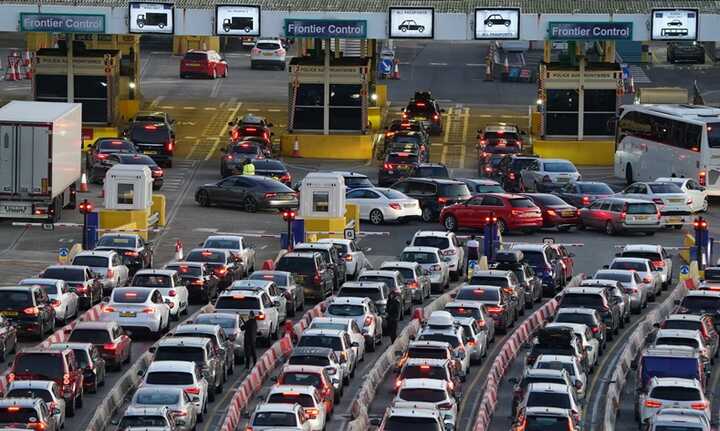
203, 198
450, 223
250, 205
175, 317
226, 71
609, 228
376, 217
211, 395
70, 409
581, 225
427, 215
705, 205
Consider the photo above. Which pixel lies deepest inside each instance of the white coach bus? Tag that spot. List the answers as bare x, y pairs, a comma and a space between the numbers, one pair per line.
653, 141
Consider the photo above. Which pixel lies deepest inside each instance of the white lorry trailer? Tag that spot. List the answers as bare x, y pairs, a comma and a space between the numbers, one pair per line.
40, 158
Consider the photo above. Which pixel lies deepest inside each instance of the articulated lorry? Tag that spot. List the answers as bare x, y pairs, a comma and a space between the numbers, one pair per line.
40, 159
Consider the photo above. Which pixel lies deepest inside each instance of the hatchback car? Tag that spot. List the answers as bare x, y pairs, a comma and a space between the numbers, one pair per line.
430, 391
46, 390
174, 398
203, 63
615, 215
28, 413
257, 302
617, 294
29, 309
349, 252
433, 194
449, 246
310, 272
685, 419
285, 281
440, 370
194, 349
80, 280
356, 316
232, 326
138, 309
268, 53
268, 417
316, 377
267, 286
504, 279
672, 392
155, 418
536, 375
574, 367
509, 212
250, 192
65, 302
183, 375
546, 175
431, 261
377, 292
499, 303
581, 194
201, 282
552, 395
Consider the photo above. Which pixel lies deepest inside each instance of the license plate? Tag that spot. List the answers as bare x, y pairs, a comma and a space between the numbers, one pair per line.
8, 313
641, 217
674, 220
563, 180
675, 201
391, 172
568, 213
267, 54
150, 152
127, 314
276, 178
16, 209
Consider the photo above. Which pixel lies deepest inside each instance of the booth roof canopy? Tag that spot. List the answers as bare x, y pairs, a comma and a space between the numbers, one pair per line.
441, 6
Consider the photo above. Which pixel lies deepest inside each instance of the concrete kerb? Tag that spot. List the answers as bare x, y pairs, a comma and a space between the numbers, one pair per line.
633, 347
127, 383
509, 353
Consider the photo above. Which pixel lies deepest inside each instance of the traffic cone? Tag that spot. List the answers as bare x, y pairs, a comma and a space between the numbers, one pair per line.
506, 66
631, 90
488, 68
83, 183
178, 250
27, 59
12, 73
396, 72
296, 148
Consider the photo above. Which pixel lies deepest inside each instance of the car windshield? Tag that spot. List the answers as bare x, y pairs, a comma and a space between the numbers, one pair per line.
402, 158
452, 340
547, 423
156, 397
361, 292
354, 182
40, 364
206, 256
548, 399
520, 164
585, 319
21, 416
453, 190
549, 200
425, 353
152, 280
144, 421
675, 393
173, 378
297, 265
13, 299
478, 280
432, 172
238, 302
701, 303
150, 134
180, 353
534, 258
558, 167
130, 296
278, 279
638, 208
582, 300
334, 343
302, 379
595, 189
274, 419
407, 273
422, 395
479, 294
43, 394
420, 257
185, 270
660, 188
404, 423
389, 281
676, 341
464, 312
317, 361
346, 310
616, 276
440, 242
116, 241
423, 372
229, 244
629, 266
305, 400
712, 274
94, 336
91, 261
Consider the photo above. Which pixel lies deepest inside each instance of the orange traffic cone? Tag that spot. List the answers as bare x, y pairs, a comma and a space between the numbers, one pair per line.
83, 183
12, 73
178, 250
507, 66
27, 59
396, 72
631, 90
296, 148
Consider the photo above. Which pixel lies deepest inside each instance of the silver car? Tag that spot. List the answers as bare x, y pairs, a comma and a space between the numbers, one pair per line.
546, 175
285, 281
198, 350
173, 397
657, 254
417, 279
430, 260
645, 270
233, 327
476, 338
108, 264
47, 390
632, 284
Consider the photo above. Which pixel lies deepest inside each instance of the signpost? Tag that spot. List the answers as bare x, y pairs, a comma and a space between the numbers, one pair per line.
326, 28
590, 30
62, 23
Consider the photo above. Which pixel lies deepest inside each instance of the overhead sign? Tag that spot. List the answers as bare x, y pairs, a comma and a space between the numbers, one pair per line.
62, 23
237, 20
326, 28
151, 18
674, 24
411, 23
495, 23
590, 30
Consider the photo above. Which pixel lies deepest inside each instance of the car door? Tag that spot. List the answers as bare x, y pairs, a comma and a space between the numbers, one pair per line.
529, 173
372, 200
697, 193
491, 206
593, 213
467, 214
276, 295
119, 269
358, 198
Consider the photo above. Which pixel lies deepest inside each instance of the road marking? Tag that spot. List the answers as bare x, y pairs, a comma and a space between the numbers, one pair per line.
210, 108
474, 65
443, 156
447, 126
253, 110
216, 88
192, 149
274, 110
438, 64
223, 132
143, 67
156, 101
166, 107
189, 107
189, 137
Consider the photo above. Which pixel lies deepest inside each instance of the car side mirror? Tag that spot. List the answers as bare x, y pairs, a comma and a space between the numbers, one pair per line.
245, 414
141, 372
152, 349
407, 242
274, 379
115, 422
398, 354
676, 302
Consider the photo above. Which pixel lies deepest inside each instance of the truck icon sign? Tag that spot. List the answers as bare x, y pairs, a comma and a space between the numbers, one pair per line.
238, 23
149, 18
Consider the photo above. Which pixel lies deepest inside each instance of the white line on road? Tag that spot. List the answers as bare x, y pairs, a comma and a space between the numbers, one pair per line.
166, 107
438, 64
274, 110
210, 108
474, 65
216, 88
189, 107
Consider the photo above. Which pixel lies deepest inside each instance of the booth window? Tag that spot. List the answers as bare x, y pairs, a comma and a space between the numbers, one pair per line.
48, 87
308, 108
562, 112
92, 92
600, 108
345, 107
125, 194
321, 202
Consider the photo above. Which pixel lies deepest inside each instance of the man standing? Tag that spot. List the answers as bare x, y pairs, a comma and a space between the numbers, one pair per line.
249, 341
393, 315
248, 167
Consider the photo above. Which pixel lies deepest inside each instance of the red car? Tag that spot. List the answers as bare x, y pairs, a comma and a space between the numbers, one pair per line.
207, 64
566, 260
555, 211
109, 338
513, 212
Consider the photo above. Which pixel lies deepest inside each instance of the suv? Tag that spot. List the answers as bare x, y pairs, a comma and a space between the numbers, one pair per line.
110, 339
703, 324
396, 166
656, 254
88, 360
224, 264
208, 64
28, 413
433, 194
80, 279
585, 316
156, 140
544, 260
547, 418
237, 245
268, 52
504, 279
394, 281
258, 302
681, 362
536, 375
406, 141
339, 341
701, 302
558, 341
200, 281
59, 366
136, 252
430, 170
417, 280
425, 416
198, 350
499, 302
684, 419
644, 268
500, 133
546, 175
330, 255
448, 246
424, 108
29, 309
108, 264
513, 261
509, 168
597, 298
309, 271
320, 357
679, 393
376, 291
157, 418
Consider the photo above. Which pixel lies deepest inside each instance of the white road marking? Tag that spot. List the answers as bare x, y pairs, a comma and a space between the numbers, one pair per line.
438, 64
156, 101
474, 65
166, 107
189, 107
210, 108
216, 88
274, 110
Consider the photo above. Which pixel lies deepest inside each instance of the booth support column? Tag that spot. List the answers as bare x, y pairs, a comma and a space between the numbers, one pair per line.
326, 89
581, 99
69, 41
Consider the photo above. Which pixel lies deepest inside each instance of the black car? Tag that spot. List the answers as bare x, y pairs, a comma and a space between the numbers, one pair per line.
409, 141
251, 125
331, 259
154, 117
251, 192
583, 193
508, 171
488, 166
686, 51
154, 139
97, 174
309, 271
223, 264
29, 309
512, 260
274, 169
496, 19
430, 170
424, 108
433, 194
235, 156
99, 150
395, 167
410, 24
397, 126
201, 282
137, 253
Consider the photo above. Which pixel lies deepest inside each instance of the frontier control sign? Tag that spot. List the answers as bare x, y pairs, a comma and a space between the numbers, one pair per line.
590, 30
62, 23
326, 28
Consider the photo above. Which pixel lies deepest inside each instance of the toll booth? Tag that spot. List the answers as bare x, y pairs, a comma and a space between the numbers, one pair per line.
92, 77
347, 100
579, 101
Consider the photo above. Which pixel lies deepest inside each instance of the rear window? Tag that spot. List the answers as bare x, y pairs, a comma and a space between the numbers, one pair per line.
548, 399
404, 423
432, 172
50, 366
268, 165
389, 281
555, 365
91, 261
274, 419
423, 353
305, 400
558, 167
676, 341
489, 281
94, 336
682, 324
15, 299
423, 372
629, 266
638, 208
595, 189
585, 319
453, 190
268, 45
420, 108
22, 416
334, 343
675, 393
488, 188
549, 200
137, 159
115, 145
712, 274
150, 134
206, 256
173, 378
186, 270
130, 296
392, 194
195, 56
244, 149
519, 164
701, 303
116, 241
278, 279
420, 257
440, 242
407, 273
658, 366
156, 397
521, 203
361, 292
346, 310
151, 280
180, 353
534, 258
502, 148
358, 182
622, 278
643, 255
452, 340
664, 188
490, 295
547, 423
31, 393
464, 312
404, 158
238, 302
144, 421
229, 244
297, 265
318, 361
302, 379
490, 136
422, 395
582, 300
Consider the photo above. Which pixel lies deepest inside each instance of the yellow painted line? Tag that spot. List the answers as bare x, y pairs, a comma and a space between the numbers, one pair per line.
447, 125
223, 132
210, 108
274, 110
513, 116
462, 156
189, 107
443, 156
166, 107
466, 122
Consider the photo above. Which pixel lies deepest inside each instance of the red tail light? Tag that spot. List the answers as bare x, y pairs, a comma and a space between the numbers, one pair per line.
221, 271
653, 404
312, 413
442, 200
110, 273
192, 390
178, 413
659, 263
369, 320
132, 253
550, 212
108, 309
623, 215
148, 310
37, 425
412, 285
317, 278
395, 206
101, 156
511, 175
172, 293
270, 195
595, 329
31, 311
658, 201
150, 127
11, 377
286, 178
647, 280
260, 316
702, 178
198, 282
436, 117
586, 200
495, 309
55, 303
348, 258
109, 346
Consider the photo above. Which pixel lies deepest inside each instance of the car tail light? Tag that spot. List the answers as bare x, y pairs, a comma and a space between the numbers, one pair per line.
586, 200
316, 278
702, 178
511, 175
11, 377
192, 390
435, 267
595, 329
348, 258
221, 271
658, 201
312, 412
248, 428
286, 178
495, 309
449, 252
55, 303
270, 195
647, 280
260, 316
169, 145
31, 311
110, 273
132, 253
412, 285
445, 406
436, 117
150, 127
488, 168
37, 425
148, 310
101, 156
369, 320
623, 215
471, 343
659, 263
109, 346
441, 200
280, 51
108, 309
689, 201
172, 292
699, 406
66, 379
552, 213
395, 206
546, 179
197, 282
158, 173
178, 413
398, 383
653, 404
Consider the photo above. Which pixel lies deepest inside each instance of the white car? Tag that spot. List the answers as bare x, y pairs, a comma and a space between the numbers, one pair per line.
476, 336
138, 308
235, 244
551, 395
170, 285
337, 340
379, 205
344, 324
108, 264
306, 396
417, 279
184, 375
285, 281
363, 314
354, 256
644, 268
175, 398
675, 393
274, 417
567, 363
47, 390
589, 343
673, 204
660, 258
684, 337
547, 175
633, 285
430, 391
682, 419
441, 326
406, 416
694, 191
430, 260
276, 295
450, 248
65, 302
268, 52
147, 418
266, 313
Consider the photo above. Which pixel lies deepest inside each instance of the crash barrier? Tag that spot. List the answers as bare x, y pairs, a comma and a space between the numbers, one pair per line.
126, 384
587, 152
633, 346
273, 357
508, 354
348, 147
360, 405
58, 336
